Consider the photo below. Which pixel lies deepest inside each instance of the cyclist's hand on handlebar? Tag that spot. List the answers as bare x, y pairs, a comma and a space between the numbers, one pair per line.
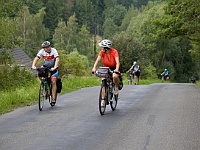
33, 68
116, 71
52, 69
93, 70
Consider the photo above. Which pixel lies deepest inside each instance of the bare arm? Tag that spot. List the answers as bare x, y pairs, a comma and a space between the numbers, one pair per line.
35, 62
96, 63
130, 68
56, 63
117, 64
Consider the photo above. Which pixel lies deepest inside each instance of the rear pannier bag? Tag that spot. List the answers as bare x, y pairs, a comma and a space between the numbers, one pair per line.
59, 85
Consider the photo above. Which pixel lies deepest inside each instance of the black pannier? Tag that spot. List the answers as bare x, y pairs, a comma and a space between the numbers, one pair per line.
59, 85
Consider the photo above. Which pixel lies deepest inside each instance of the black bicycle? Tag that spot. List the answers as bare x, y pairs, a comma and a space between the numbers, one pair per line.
106, 95
45, 93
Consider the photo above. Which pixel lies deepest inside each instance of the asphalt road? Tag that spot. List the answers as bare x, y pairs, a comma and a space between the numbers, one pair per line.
148, 117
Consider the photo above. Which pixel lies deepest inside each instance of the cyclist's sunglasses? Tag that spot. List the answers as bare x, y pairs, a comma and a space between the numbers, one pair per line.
106, 48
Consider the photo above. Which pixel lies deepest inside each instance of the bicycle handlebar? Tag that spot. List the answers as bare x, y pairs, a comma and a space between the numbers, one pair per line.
43, 68
109, 72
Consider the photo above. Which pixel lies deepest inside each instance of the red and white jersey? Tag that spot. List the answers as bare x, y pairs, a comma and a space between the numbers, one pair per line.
49, 58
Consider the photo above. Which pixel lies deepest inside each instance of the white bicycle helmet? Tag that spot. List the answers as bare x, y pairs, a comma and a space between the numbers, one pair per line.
134, 63
46, 44
105, 43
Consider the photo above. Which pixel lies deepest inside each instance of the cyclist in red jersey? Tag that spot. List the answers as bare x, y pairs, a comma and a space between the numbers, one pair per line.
110, 58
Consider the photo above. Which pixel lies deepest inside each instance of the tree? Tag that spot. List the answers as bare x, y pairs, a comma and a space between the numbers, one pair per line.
54, 11
66, 36
60, 36
182, 19
33, 5
8, 11
7, 32
127, 18
84, 45
10, 8
109, 28
31, 30
110, 3
117, 13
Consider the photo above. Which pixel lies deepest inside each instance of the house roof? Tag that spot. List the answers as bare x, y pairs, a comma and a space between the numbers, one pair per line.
20, 57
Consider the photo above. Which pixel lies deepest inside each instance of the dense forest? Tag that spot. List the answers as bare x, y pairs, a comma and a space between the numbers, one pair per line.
158, 34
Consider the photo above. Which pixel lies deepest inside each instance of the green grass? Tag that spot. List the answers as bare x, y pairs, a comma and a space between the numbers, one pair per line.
198, 83
18, 98
26, 96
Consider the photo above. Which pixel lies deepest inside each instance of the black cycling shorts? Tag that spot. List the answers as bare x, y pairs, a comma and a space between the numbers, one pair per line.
137, 74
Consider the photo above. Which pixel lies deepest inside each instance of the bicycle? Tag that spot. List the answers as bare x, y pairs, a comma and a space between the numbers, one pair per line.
130, 81
45, 91
164, 78
106, 95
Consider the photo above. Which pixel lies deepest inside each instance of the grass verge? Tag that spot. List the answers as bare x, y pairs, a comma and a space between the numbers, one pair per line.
198, 84
26, 96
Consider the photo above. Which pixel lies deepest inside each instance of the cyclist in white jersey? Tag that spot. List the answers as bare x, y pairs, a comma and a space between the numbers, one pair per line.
51, 60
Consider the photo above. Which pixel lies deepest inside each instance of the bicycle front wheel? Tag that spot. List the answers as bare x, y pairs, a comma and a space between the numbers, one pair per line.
102, 100
113, 102
41, 96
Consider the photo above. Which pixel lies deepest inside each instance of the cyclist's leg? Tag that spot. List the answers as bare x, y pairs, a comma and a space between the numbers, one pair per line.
116, 82
103, 92
135, 79
54, 86
167, 78
138, 77
116, 79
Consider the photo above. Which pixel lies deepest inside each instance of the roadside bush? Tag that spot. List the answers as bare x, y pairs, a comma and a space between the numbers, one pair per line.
73, 64
149, 72
14, 77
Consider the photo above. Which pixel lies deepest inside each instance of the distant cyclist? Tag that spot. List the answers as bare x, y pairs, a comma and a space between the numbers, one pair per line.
110, 58
51, 60
165, 75
135, 68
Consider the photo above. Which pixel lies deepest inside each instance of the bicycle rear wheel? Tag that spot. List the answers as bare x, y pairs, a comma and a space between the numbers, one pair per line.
102, 100
41, 96
113, 102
